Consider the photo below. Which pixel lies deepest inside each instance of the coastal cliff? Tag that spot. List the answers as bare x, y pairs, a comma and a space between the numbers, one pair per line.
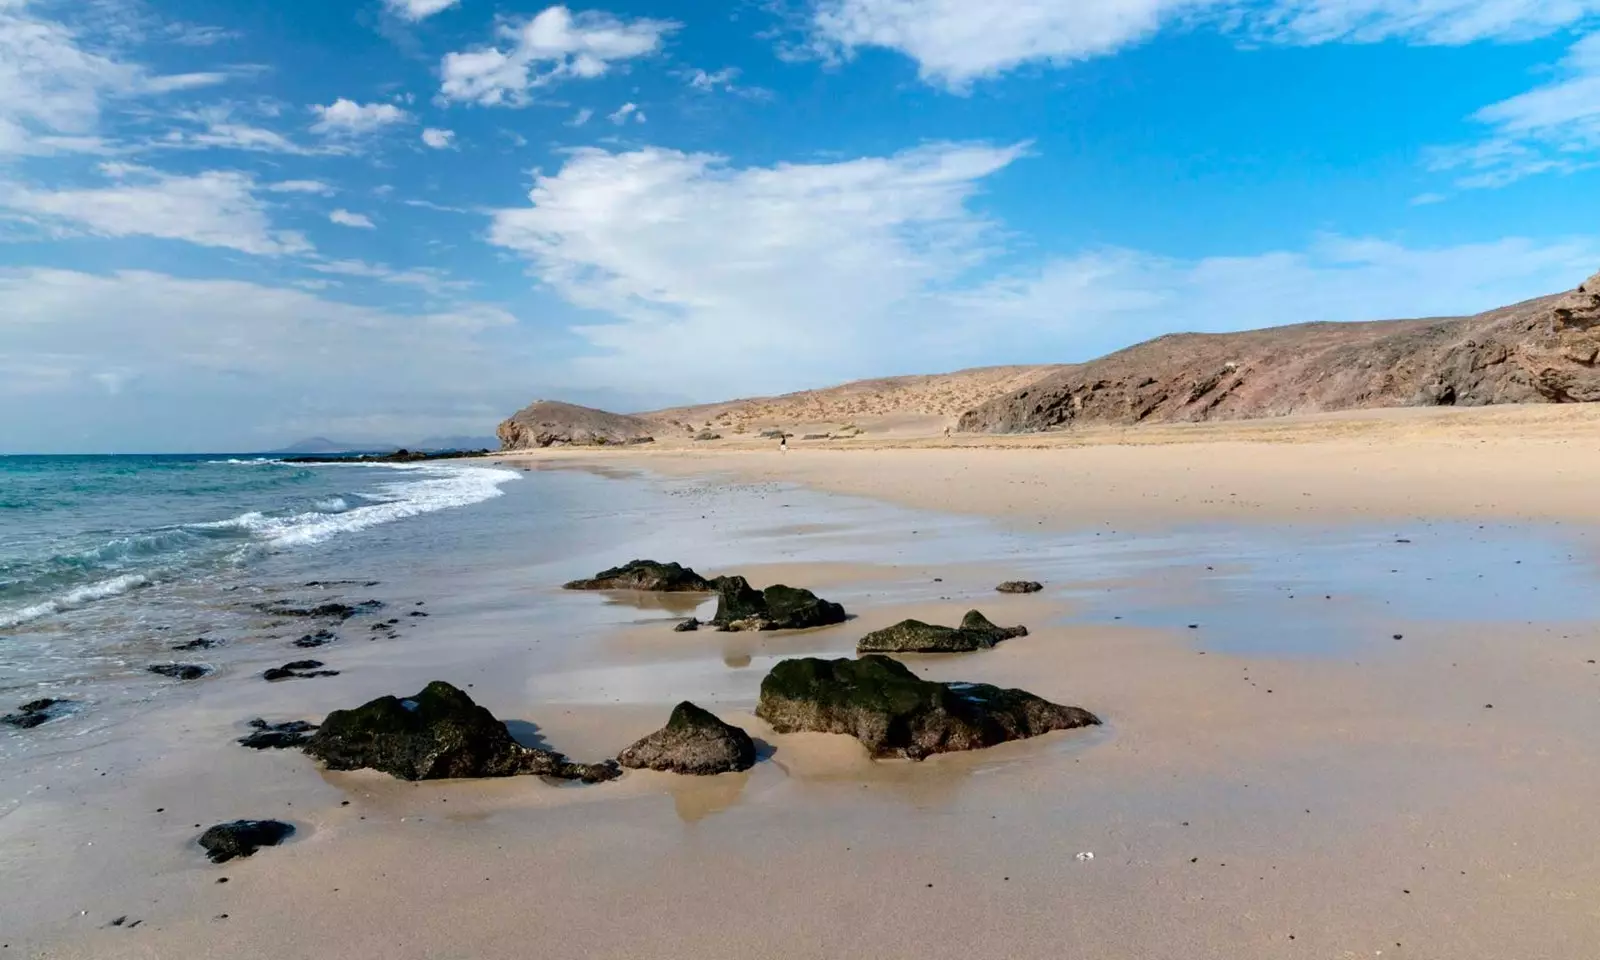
546, 423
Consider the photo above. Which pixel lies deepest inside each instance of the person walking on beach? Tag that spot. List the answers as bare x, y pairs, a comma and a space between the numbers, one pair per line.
783, 443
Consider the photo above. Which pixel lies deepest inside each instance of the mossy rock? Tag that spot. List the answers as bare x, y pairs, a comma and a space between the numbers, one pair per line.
646, 575
1020, 586
438, 734
914, 636
695, 742
894, 713
778, 607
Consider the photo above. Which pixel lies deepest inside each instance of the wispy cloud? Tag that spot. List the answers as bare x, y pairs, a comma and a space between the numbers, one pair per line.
345, 218
626, 112
415, 10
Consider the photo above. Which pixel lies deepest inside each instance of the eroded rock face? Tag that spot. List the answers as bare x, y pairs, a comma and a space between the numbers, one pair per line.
1540, 351
547, 423
695, 742
914, 636
742, 607
241, 838
646, 575
1020, 586
437, 734
896, 714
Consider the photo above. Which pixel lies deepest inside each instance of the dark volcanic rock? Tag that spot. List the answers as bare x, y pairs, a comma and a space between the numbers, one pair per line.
437, 734
35, 713
1020, 586
298, 670
894, 713
322, 611
241, 838
687, 626
277, 736
646, 575
318, 639
914, 636
742, 607
193, 645
694, 741
179, 671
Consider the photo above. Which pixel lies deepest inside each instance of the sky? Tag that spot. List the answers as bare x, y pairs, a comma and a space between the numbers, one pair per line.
227, 224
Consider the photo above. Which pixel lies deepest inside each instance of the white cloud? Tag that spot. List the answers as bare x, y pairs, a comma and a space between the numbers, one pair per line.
345, 218
52, 87
1554, 127
301, 186
622, 114
789, 271
212, 209
439, 139
419, 9
348, 117
701, 80
766, 279
218, 129
581, 117
956, 41
227, 364
425, 278
555, 45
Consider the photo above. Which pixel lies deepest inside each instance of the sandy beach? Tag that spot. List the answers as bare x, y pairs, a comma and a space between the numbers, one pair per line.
1346, 667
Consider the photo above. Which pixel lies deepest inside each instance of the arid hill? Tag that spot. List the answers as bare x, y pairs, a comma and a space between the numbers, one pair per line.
547, 423
925, 403
1539, 351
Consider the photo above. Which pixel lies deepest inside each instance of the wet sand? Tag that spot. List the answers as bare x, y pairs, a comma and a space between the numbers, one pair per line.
1286, 779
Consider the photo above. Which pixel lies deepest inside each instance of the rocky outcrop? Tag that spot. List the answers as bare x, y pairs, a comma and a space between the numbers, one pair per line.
1020, 586
179, 671
914, 636
646, 575
549, 423
894, 713
742, 607
1540, 351
298, 670
437, 734
242, 838
695, 742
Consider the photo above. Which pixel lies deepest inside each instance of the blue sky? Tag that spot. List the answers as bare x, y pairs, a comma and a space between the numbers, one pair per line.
228, 224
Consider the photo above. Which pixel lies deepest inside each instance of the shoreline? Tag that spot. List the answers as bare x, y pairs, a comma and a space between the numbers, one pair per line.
1285, 770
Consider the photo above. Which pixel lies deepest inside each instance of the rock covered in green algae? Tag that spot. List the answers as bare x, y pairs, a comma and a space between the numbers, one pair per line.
646, 575
742, 607
694, 741
241, 838
438, 734
914, 636
894, 713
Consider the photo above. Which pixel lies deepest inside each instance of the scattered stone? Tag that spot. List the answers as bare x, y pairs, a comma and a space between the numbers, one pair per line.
36, 713
417, 613
318, 639
200, 644
646, 575
1020, 586
437, 734
322, 611
695, 742
894, 713
687, 626
241, 838
298, 670
179, 671
705, 436
277, 736
742, 607
914, 636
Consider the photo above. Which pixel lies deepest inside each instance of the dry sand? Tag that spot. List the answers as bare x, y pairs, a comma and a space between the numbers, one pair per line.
1430, 797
